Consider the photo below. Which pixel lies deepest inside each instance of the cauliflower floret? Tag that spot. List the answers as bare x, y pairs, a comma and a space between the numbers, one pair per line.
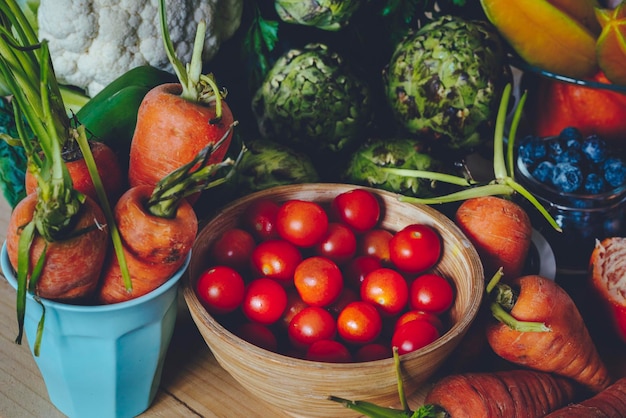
94, 42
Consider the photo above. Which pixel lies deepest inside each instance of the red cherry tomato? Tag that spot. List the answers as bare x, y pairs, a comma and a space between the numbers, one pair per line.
372, 352
414, 335
259, 219
328, 351
431, 293
276, 259
359, 323
356, 270
319, 281
294, 305
339, 243
311, 324
386, 289
376, 244
303, 223
233, 248
423, 315
220, 289
257, 334
358, 208
265, 301
346, 296
415, 248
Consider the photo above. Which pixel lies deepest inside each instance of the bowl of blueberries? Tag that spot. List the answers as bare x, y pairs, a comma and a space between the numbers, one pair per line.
581, 181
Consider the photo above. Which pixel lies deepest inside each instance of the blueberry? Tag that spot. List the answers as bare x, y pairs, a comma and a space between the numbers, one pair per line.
567, 177
572, 137
570, 155
594, 183
614, 171
594, 148
543, 172
556, 147
532, 149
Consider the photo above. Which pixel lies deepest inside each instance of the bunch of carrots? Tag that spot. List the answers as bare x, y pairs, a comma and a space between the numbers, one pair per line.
87, 232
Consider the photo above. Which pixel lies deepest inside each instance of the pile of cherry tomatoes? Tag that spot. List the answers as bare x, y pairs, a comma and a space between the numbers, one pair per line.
327, 283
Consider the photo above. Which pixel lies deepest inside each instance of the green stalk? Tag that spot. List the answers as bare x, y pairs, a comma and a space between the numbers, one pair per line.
430, 175
499, 166
189, 179
503, 184
196, 86
503, 301
27, 71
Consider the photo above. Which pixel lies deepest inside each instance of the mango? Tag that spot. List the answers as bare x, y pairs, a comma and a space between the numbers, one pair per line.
611, 44
544, 36
582, 11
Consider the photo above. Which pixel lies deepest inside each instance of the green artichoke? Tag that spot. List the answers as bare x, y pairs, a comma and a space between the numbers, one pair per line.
444, 82
330, 15
267, 164
312, 101
367, 164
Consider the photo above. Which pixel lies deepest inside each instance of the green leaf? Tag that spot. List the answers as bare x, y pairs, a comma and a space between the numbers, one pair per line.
259, 42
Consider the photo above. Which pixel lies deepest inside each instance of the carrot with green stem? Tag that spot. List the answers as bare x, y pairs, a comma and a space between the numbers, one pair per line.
57, 238
158, 226
176, 120
502, 394
537, 325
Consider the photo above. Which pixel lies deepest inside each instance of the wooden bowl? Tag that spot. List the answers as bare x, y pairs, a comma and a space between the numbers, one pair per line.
301, 387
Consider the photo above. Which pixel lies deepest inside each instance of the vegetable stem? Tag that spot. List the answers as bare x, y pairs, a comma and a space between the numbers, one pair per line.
196, 86
503, 183
190, 178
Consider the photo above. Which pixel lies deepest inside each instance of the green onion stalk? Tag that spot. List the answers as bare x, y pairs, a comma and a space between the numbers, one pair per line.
503, 184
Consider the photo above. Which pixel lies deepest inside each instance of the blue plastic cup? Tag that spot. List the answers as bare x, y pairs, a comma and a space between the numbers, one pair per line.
102, 361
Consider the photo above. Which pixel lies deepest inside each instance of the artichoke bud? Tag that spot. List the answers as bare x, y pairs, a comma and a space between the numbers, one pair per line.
267, 164
367, 164
312, 101
330, 15
445, 80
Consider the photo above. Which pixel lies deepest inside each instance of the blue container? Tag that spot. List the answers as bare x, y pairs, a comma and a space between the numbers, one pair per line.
102, 361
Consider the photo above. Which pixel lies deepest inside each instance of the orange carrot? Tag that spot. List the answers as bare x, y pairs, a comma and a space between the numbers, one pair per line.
544, 330
499, 229
176, 121
502, 394
610, 403
113, 178
170, 131
72, 265
158, 226
154, 246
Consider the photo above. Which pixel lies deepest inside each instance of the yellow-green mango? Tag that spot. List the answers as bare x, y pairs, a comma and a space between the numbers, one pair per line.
544, 36
581, 10
611, 44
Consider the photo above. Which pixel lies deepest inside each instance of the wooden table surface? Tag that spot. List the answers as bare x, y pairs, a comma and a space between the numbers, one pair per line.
193, 384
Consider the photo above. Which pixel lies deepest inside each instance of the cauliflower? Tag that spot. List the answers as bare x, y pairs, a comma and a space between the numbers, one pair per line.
93, 42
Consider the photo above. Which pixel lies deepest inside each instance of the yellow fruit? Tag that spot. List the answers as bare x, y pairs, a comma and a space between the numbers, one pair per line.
611, 44
582, 11
544, 36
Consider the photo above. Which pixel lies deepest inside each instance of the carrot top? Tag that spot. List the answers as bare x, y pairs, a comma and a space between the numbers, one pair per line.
197, 87
189, 179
